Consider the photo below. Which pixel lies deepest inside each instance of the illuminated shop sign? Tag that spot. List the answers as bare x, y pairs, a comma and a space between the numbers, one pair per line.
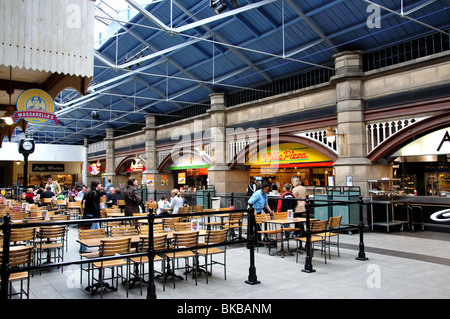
435, 143
287, 153
189, 161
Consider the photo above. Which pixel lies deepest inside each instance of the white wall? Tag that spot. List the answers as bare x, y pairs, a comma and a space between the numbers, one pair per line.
44, 152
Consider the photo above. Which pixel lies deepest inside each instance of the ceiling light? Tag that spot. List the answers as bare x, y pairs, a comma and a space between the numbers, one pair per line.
218, 5
8, 120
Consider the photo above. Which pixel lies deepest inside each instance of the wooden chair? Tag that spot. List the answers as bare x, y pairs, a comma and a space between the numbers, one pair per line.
334, 223
265, 233
74, 209
159, 243
184, 240
169, 223
316, 226
23, 236
152, 205
235, 221
185, 211
19, 257
111, 247
51, 240
89, 234
214, 237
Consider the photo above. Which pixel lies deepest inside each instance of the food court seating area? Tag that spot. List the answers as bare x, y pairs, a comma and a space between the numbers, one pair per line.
198, 267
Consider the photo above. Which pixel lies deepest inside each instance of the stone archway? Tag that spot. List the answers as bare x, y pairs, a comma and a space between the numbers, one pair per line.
404, 137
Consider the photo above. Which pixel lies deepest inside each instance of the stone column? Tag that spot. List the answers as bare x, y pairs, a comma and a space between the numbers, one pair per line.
351, 128
218, 171
151, 155
110, 160
85, 163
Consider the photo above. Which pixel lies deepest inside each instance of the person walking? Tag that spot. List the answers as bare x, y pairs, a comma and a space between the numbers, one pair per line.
91, 201
132, 199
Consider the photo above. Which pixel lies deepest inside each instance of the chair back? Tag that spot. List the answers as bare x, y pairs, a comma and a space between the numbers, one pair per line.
113, 246
19, 256
153, 205
169, 223
120, 202
281, 215
186, 239
73, 204
334, 222
235, 217
216, 236
91, 233
159, 243
196, 208
158, 228
122, 231
182, 226
61, 202
184, 210
224, 209
260, 218
318, 226
59, 217
52, 232
23, 234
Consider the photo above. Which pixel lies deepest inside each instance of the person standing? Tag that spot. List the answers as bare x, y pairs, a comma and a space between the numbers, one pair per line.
176, 201
299, 192
55, 188
260, 199
132, 199
285, 205
91, 201
251, 188
108, 186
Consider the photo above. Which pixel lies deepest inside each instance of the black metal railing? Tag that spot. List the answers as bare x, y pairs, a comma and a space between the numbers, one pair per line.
406, 51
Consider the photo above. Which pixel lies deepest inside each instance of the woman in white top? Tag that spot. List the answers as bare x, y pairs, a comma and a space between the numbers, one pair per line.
176, 201
163, 205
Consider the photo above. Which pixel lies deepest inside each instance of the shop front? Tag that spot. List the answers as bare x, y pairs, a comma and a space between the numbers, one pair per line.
422, 166
190, 172
282, 161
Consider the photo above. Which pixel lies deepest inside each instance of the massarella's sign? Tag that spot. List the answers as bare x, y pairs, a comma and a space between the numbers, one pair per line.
35, 106
286, 153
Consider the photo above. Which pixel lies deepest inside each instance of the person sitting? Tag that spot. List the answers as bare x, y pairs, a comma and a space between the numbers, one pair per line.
163, 206
47, 193
111, 197
29, 196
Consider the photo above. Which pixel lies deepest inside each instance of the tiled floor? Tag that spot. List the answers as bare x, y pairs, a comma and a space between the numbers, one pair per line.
400, 265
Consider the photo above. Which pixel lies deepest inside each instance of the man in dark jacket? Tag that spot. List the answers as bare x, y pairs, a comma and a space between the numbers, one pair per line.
132, 198
91, 201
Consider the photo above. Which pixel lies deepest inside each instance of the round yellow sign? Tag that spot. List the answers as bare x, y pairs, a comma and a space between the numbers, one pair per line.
35, 106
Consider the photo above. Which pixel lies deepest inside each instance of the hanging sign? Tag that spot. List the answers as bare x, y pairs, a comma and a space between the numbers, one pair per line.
286, 153
189, 161
94, 169
35, 106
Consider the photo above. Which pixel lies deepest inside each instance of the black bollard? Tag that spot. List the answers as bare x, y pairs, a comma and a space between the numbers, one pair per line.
361, 253
6, 269
308, 259
252, 278
151, 289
